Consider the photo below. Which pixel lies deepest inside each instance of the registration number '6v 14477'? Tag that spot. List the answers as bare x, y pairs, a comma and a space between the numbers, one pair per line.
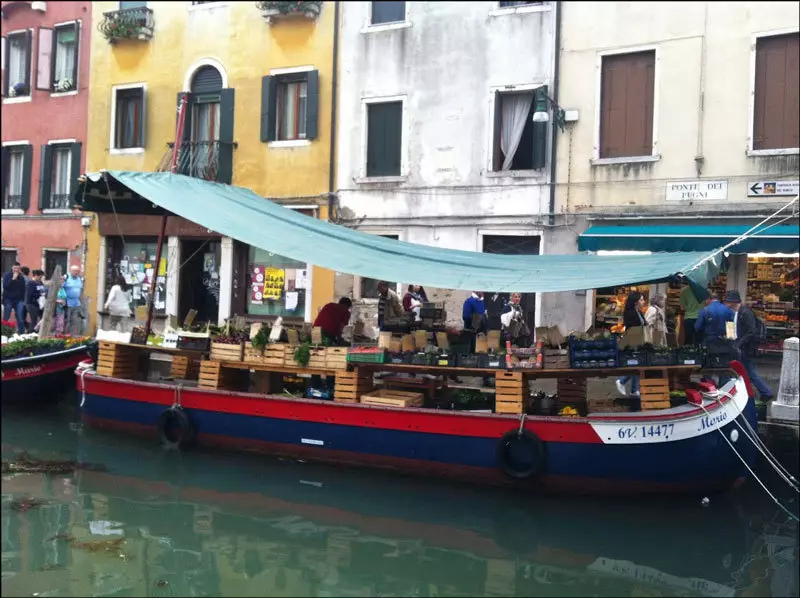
663, 431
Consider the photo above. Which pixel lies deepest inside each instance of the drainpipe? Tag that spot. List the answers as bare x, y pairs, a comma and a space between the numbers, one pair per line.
553, 124
334, 81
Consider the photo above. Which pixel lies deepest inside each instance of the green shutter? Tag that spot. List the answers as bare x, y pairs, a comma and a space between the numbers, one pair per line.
384, 139
269, 98
45, 176
226, 109
75, 167
76, 64
497, 164
143, 118
27, 163
312, 104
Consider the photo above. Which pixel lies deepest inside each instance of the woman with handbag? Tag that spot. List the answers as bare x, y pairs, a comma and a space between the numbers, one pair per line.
634, 322
655, 332
513, 321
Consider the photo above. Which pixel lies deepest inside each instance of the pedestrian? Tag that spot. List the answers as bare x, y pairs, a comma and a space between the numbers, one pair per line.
14, 296
34, 298
710, 326
117, 305
745, 328
390, 309
474, 312
655, 318
413, 300
73, 287
26, 275
513, 322
690, 306
333, 318
632, 319
59, 316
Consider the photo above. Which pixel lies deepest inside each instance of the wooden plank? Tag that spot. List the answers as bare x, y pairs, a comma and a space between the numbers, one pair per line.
656, 405
507, 407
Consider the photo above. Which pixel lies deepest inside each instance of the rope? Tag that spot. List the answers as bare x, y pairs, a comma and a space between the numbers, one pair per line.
114, 209
752, 473
521, 425
176, 402
83, 381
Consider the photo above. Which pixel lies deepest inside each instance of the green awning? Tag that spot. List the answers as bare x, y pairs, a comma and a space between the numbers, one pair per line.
781, 238
243, 215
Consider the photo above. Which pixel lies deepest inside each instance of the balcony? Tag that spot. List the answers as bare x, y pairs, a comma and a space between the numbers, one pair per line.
127, 24
276, 10
200, 159
12, 202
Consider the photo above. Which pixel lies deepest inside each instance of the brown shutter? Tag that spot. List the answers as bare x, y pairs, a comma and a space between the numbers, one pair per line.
776, 118
626, 105
3, 59
44, 59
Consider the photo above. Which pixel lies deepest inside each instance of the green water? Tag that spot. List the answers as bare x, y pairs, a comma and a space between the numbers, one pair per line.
205, 524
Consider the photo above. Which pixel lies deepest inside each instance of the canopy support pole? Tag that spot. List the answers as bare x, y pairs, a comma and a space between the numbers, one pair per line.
157, 266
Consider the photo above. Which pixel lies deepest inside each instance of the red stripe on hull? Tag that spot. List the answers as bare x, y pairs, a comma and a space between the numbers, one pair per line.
451, 423
544, 483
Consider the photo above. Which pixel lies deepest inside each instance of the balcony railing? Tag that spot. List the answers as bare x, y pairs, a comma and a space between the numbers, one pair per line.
127, 23
12, 202
288, 9
59, 201
198, 159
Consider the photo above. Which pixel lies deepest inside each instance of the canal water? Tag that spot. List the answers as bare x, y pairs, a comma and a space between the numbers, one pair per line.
153, 523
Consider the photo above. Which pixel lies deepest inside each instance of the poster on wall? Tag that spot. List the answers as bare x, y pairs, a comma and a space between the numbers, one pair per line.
274, 279
257, 284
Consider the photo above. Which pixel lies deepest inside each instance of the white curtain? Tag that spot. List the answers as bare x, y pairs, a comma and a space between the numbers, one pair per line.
15, 174
65, 60
17, 66
515, 110
61, 170
129, 133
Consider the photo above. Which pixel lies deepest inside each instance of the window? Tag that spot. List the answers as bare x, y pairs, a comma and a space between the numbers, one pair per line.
292, 102
132, 4
776, 119
388, 11
626, 105
65, 59
9, 257
129, 118
289, 106
134, 258
384, 138
277, 285
16, 164
515, 3
18, 65
59, 175
514, 133
369, 286
52, 259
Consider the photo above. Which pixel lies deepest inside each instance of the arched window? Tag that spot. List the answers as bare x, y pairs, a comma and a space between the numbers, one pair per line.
206, 79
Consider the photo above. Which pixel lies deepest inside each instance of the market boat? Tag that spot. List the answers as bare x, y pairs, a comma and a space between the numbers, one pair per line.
688, 448
703, 446
42, 378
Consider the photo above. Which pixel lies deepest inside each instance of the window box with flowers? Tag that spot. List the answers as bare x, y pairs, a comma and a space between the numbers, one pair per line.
63, 85
127, 23
18, 90
288, 9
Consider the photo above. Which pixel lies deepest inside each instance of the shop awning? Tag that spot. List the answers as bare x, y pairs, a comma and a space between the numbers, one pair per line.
781, 238
249, 218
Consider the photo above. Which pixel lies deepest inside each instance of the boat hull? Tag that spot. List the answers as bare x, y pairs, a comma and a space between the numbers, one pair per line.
41, 378
678, 450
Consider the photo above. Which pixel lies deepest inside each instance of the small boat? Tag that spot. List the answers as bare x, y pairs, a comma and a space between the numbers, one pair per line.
42, 378
688, 448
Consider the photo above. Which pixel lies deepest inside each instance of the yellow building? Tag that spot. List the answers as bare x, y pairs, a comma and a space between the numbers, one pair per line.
258, 84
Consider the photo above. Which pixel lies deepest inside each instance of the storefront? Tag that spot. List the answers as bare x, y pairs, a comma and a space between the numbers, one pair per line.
763, 268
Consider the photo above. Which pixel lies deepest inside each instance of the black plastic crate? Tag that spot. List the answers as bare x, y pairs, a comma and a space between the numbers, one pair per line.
492, 362
399, 358
661, 358
592, 364
469, 361
690, 357
444, 360
632, 358
422, 359
190, 343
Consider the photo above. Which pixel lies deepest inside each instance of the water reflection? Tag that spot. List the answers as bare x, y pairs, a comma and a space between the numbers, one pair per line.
167, 524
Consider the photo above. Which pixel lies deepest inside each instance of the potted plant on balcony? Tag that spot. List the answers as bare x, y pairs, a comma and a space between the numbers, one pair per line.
18, 90
308, 9
63, 85
119, 25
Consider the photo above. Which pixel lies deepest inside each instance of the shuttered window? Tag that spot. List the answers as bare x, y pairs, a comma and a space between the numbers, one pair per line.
16, 165
130, 118
626, 105
17, 67
384, 138
65, 58
388, 11
776, 118
58, 175
289, 106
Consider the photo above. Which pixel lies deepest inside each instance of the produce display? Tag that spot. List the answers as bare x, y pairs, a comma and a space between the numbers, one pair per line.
773, 294
28, 345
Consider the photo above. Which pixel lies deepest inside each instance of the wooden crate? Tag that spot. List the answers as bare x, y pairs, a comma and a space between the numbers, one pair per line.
225, 352
275, 354
556, 359
349, 386
336, 358
393, 398
318, 358
213, 375
288, 355
117, 360
255, 356
654, 393
571, 390
184, 367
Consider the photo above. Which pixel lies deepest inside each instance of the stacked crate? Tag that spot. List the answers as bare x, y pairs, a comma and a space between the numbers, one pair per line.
351, 385
556, 359
256, 356
213, 376
571, 392
288, 355
318, 358
393, 398
117, 360
226, 352
654, 393
511, 393
184, 367
336, 358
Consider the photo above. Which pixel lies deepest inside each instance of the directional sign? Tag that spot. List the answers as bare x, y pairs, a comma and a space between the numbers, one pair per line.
772, 188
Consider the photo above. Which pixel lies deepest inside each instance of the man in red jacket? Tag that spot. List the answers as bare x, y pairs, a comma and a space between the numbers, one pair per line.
333, 318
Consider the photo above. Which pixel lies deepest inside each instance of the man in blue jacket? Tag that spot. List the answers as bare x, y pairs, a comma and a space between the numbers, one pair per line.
14, 296
710, 325
474, 306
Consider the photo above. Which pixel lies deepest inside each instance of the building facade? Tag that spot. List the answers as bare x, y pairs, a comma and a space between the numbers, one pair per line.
686, 122
45, 83
437, 142
257, 86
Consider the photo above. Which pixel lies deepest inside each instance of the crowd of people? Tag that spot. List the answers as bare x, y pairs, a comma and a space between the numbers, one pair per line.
25, 293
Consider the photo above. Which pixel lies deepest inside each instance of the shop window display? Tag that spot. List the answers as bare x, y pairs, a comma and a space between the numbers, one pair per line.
773, 295
135, 260
277, 285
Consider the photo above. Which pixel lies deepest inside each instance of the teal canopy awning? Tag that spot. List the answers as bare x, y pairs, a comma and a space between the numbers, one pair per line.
781, 238
241, 214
